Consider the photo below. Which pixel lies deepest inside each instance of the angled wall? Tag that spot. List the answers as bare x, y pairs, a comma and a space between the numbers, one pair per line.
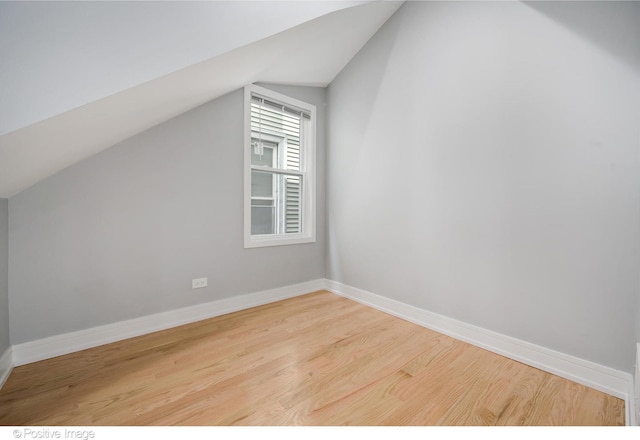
483, 165
121, 234
73, 44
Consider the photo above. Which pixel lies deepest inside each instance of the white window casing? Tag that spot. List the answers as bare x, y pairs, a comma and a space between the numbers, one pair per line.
279, 169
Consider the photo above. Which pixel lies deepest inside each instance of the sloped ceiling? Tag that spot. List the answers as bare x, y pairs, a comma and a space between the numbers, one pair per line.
64, 120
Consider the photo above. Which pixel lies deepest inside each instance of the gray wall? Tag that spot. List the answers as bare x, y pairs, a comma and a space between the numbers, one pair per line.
122, 234
4, 275
483, 164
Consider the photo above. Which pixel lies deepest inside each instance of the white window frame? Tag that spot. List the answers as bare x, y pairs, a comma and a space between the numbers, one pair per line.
307, 172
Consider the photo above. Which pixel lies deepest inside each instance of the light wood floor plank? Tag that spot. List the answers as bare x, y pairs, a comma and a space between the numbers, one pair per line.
318, 359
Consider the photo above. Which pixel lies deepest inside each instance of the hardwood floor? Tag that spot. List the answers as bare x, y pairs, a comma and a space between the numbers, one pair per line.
317, 359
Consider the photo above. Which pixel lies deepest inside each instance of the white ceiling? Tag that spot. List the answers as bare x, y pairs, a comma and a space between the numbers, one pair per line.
90, 86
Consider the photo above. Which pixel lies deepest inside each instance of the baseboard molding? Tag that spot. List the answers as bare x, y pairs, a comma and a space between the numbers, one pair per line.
6, 365
635, 392
71, 342
614, 382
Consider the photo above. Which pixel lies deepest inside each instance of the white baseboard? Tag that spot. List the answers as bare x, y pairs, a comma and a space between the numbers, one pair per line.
608, 380
634, 405
71, 342
6, 365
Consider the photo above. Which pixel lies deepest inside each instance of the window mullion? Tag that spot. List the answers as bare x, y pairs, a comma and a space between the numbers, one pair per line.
276, 170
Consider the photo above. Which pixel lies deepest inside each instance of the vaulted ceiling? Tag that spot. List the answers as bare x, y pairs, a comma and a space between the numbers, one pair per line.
79, 77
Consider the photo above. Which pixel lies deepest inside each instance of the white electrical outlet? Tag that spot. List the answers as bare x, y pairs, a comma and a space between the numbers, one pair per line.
198, 283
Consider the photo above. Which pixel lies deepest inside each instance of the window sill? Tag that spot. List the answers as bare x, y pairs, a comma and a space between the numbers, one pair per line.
277, 240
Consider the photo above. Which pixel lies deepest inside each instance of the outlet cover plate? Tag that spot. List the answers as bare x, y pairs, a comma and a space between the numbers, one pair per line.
198, 283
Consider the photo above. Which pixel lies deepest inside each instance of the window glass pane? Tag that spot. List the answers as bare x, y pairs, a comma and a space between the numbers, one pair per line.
261, 184
276, 203
262, 220
270, 120
263, 153
261, 202
293, 187
292, 154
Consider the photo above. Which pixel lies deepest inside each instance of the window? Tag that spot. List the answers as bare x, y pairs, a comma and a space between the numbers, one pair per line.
279, 193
